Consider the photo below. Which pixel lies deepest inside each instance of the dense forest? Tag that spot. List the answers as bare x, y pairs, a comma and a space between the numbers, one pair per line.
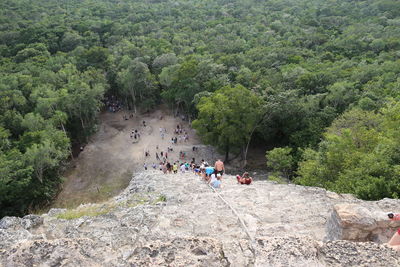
318, 80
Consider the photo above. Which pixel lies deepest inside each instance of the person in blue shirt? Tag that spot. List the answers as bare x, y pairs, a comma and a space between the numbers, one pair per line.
209, 171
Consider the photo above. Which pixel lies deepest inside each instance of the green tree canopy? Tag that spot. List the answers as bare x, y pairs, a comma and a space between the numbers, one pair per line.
227, 118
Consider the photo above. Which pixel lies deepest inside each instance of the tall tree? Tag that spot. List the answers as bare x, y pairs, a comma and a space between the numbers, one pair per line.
227, 117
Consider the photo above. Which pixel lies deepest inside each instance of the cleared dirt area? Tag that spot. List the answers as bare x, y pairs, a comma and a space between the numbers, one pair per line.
106, 164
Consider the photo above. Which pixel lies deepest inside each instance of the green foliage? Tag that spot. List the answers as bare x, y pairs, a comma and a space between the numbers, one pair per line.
227, 117
359, 155
280, 160
276, 177
90, 211
309, 60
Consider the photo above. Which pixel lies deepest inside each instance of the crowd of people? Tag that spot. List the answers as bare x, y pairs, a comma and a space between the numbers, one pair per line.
212, 175
113, 104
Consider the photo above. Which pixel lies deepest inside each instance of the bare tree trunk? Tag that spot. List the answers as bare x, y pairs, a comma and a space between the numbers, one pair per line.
134, 101
84, 129
251, 135
227, 154
247, 145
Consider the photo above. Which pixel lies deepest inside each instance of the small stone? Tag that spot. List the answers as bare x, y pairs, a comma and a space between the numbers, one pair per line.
199, 251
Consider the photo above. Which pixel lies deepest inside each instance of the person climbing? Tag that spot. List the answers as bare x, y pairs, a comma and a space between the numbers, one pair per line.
219, 167
145, 166
144, 123
394, 242
169, 167
187, 166
244, 179
154, 166
217, 183
209, 171
175, 168
157, 157
183, 168
213, 178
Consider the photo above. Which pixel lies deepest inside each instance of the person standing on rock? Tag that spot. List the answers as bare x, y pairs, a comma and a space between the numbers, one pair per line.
219, 167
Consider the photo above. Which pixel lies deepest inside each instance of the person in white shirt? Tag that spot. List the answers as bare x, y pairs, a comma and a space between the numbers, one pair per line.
183, 168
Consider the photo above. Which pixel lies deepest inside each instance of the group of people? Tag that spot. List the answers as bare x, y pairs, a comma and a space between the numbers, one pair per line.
210, 174
113, 104
181, 135
213, 175
135, 134
167, 167
126, 117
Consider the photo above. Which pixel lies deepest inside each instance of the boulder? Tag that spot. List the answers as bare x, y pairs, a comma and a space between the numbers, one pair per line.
10, 222
31, 221
55, 211
358, 222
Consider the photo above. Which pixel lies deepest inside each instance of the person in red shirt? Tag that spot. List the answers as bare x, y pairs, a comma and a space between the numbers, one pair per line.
244, 179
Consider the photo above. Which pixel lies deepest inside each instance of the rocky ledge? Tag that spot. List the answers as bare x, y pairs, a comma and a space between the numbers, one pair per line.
177, 220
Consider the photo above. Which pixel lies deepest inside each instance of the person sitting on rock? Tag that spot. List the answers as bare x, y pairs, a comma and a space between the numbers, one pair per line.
217, 183
394, 242
244, 179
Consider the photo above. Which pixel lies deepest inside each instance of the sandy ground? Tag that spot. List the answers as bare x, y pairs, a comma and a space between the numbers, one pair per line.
109, 159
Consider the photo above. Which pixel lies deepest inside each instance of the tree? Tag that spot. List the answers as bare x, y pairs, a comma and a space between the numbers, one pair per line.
137, 83
280, 160
358, 155
163, 61
227, 117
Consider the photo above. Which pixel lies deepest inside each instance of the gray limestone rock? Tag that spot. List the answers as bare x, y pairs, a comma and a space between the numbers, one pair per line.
10, 222
361, 222
178, 220
31, 221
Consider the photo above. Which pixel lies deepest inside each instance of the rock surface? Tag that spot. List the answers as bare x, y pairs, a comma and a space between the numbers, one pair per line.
177, 220
362, 222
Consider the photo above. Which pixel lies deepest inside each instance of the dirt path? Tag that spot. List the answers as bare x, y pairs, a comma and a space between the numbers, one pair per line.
109, 159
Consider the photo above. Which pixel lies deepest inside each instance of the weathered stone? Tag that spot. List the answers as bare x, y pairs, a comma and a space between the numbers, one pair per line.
360, 222
10, 222
31, 221
55, 212
177, 220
